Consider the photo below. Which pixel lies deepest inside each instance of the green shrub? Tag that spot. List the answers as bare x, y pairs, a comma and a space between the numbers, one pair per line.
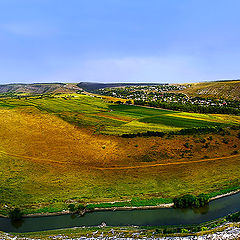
72, 207
235, 217
15, 214
202, 200
238, 135
186, 145
204, 228
189, 200
80, 207
89, 208
184, 230
184, 201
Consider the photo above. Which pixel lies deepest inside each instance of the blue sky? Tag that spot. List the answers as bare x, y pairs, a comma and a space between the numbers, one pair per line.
119, 40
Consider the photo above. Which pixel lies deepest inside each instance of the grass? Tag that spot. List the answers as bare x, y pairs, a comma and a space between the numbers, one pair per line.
112, 119
50, 149
135, 202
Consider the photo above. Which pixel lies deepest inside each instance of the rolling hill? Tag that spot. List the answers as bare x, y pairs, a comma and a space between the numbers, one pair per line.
229, 89
38, 88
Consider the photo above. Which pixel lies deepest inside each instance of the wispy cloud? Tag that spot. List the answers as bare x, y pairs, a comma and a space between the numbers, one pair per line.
29, 29
172, 69
132, 69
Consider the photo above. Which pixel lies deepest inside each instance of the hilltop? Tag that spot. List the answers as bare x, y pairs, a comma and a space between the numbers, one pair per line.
38, 88
228, 89
92, 86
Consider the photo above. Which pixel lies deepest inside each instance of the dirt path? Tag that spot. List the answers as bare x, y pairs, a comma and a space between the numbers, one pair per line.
166, 164
121, 167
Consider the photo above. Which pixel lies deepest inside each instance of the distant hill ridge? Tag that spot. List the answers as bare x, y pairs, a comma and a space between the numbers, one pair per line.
91, 86
227, 89
39, 88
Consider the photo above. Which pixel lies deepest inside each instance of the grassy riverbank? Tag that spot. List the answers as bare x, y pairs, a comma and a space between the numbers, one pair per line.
136, 203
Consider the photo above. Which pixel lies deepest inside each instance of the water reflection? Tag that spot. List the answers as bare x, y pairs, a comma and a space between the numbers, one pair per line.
73, 216
201, 210
17, 223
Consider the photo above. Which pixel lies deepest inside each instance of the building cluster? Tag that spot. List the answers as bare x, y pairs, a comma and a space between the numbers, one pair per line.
165, 93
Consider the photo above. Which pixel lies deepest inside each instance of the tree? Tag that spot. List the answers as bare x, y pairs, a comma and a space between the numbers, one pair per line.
189, 200
15, 214
72, 207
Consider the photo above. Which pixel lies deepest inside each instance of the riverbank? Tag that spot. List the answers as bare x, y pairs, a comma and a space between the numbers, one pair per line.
164, 221
224, 195
167, 205
122, 208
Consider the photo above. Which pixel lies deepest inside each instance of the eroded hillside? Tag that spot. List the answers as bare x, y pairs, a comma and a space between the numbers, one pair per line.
218, 89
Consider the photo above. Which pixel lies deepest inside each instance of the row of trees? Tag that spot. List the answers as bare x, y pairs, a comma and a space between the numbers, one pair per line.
185, 131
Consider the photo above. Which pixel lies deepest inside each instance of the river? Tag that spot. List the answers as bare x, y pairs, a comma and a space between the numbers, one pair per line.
152, 217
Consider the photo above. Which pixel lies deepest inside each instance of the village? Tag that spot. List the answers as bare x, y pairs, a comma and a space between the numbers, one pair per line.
166, 93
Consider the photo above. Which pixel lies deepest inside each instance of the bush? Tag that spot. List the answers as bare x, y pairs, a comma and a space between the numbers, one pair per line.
202, 140
184, 201
189, 200
202, 199
238, 135
72, 207
186, 145
235, 217
80, 207
184, 230
90, 208
15, 214
234, 152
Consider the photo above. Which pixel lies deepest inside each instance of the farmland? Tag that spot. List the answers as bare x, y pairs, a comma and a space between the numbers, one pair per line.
66, 148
